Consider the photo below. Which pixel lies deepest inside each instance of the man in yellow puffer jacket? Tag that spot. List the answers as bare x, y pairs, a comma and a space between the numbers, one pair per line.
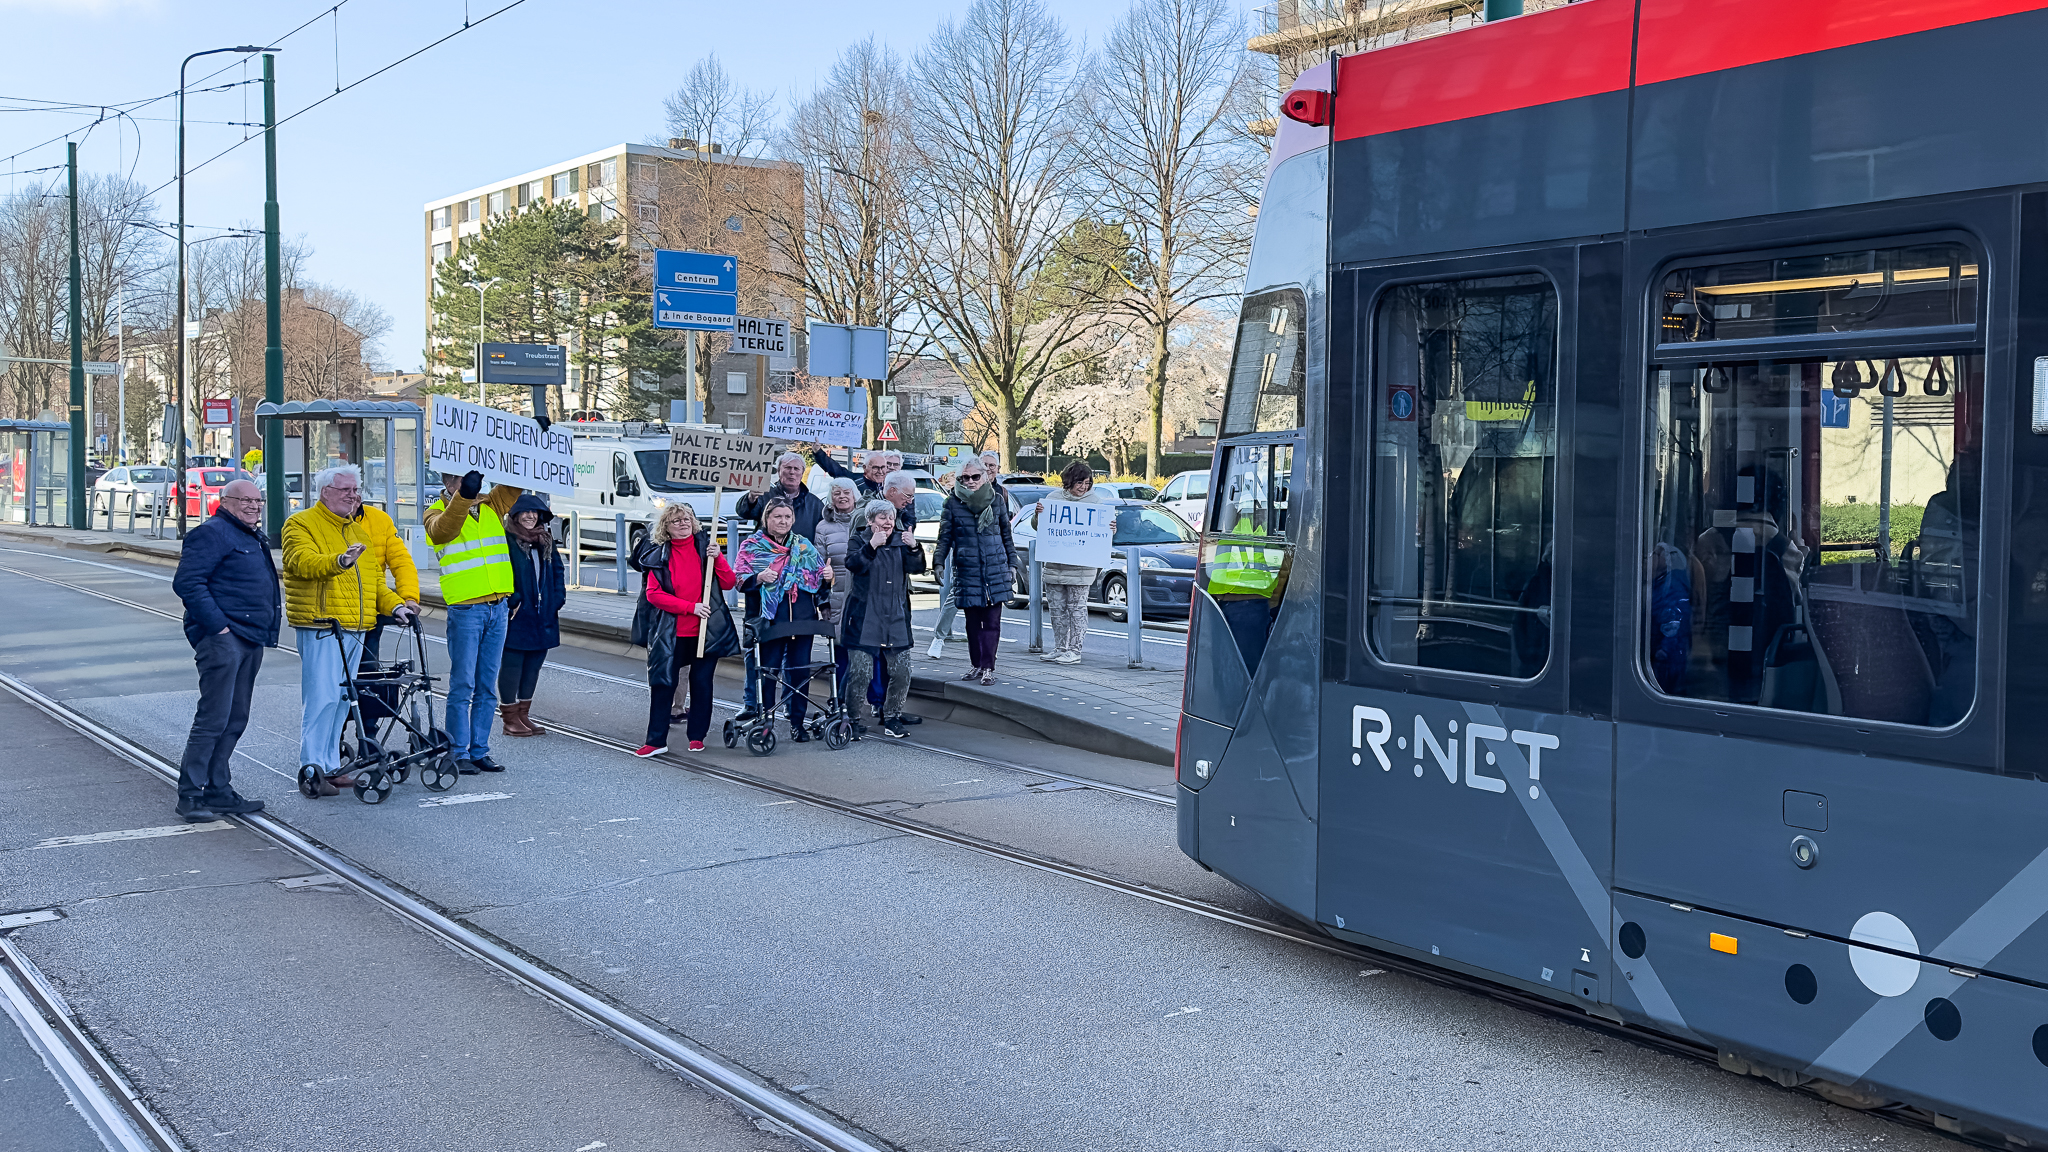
335, 556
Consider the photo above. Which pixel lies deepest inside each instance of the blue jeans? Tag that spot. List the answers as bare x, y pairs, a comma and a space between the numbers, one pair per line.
321, 671
476, 647
752, 694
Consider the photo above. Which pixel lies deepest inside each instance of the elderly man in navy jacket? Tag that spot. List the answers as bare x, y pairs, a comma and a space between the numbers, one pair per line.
229, 585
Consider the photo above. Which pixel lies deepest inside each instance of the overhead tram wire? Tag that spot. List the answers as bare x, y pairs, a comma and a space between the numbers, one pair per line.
478, 22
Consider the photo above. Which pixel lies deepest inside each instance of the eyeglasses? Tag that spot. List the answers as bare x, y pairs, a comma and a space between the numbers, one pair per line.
241, 499
340, 491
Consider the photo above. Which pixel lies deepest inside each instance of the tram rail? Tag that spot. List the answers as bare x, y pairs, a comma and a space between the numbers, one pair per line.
630, 1029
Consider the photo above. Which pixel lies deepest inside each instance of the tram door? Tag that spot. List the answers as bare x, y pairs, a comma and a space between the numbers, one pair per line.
1465, 812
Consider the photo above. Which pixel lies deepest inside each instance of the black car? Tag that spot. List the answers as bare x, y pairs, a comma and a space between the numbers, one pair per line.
1167, 549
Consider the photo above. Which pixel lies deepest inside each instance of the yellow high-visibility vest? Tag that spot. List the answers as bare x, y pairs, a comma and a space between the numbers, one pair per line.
478, 562
1242, 568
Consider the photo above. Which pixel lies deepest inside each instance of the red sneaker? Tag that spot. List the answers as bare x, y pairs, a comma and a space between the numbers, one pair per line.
647, 750
696, 745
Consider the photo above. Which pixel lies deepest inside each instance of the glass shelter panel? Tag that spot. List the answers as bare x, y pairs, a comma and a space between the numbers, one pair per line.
1814, 534
1270, 366
1464, 475
1919, 286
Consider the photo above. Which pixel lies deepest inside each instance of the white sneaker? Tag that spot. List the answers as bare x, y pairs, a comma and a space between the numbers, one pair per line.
938, 648
1051, 657
1067, 658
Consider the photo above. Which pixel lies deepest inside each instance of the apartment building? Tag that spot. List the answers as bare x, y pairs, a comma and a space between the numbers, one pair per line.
680, 196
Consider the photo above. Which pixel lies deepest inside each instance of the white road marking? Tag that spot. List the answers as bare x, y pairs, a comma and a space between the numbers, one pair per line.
1182, 1012
472, 798
777, 803
131, 834
960, 782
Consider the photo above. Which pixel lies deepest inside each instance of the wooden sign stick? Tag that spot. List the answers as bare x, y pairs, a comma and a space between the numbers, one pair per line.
710, 558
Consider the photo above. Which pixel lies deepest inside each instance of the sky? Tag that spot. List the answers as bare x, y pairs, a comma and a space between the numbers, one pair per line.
542, 81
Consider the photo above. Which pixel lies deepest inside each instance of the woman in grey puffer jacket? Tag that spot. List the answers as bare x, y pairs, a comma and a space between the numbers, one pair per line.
835, 529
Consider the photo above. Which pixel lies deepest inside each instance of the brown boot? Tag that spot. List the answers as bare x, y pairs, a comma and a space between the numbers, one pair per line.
526, 718
508, 714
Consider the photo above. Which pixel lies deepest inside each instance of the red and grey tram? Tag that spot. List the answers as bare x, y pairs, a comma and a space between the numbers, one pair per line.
1626, 572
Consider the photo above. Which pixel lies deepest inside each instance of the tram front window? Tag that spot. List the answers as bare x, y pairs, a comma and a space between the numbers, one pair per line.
1269, 366
1464, 475
1813, 528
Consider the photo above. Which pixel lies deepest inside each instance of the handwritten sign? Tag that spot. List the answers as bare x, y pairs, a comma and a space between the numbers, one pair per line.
1075, 532
506, 447
722, 460
815, 425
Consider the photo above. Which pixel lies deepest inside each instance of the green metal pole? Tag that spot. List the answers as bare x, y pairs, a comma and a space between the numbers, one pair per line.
273, 323
81, 516
1502, 9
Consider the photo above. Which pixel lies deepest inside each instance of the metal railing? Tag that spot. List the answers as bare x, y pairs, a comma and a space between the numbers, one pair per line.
1133, 606
123, 512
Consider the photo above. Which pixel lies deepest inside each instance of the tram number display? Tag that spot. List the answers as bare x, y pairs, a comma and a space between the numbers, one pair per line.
1479, 760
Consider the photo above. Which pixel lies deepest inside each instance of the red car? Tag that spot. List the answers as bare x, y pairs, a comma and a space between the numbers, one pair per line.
202, 488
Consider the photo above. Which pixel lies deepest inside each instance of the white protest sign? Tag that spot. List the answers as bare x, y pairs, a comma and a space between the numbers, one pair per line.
506, 447
1075, 532
722, 460
760, 335
815, 425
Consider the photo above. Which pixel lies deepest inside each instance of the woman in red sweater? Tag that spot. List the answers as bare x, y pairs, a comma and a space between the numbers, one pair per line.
674, 582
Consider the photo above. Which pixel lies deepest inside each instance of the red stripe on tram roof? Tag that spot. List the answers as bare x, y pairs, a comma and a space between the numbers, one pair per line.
1586, 49
1560, 54
1683, 38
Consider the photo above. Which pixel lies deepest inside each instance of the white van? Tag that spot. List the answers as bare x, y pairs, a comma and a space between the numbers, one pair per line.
622, 469
1188, 495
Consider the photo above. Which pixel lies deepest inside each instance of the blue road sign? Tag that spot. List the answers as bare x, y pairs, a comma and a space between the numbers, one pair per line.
697, 311
1834, 410
704, 271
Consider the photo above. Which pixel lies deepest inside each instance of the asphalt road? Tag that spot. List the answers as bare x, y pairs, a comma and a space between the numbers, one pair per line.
937, 997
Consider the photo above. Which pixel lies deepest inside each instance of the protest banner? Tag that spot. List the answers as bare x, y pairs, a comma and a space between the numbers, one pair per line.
722, 460
815, 425
506, 447
1075, 532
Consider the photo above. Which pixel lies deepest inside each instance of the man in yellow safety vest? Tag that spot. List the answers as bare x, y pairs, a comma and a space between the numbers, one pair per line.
468, 535
1245, 576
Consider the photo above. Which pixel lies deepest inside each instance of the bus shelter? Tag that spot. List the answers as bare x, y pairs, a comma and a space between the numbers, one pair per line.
35, 472
382, 437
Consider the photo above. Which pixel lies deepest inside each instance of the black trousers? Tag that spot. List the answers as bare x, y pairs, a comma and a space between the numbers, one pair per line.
662, 697
519, 674
778, 657
227, 675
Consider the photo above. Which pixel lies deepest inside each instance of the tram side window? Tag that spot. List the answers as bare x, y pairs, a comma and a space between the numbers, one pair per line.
1270, 364
1813, 528
1464, 475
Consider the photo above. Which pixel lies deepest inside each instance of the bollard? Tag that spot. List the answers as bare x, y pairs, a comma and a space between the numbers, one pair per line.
131, 513
575, 549
1033, 585
619, 552
1134, 608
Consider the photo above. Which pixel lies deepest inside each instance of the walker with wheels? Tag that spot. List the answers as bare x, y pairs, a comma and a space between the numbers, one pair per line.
384, 702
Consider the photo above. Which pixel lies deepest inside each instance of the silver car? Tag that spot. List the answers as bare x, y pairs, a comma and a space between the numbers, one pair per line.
150, 483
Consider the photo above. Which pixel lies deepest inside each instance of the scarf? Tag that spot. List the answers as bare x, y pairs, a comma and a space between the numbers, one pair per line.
535, 537
981, 502
783, 569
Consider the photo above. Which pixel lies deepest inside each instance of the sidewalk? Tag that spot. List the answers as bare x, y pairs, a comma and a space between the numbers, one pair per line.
1098, 704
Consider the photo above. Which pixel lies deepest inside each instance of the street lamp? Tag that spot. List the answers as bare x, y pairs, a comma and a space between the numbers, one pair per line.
480, 286
180, 321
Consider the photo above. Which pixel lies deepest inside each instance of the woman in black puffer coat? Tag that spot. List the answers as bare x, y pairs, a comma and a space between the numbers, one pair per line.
974, 530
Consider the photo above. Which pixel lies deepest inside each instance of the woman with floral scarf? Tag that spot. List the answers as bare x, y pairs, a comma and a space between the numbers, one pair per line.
787, 571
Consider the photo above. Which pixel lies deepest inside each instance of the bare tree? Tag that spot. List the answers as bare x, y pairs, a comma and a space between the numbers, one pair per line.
1172, 170
703, 199
838, 241
991, 191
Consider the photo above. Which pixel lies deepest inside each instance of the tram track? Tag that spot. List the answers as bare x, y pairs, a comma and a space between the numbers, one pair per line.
1286, 930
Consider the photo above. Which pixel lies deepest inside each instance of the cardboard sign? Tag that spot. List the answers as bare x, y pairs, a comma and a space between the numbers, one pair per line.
506, 447
1075, 532
815, 425
722, 460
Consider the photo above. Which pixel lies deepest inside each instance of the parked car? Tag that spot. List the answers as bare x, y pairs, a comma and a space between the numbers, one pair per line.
1188, 495
1128, 489
150, 483
202, 488
1024, 495
1167, 549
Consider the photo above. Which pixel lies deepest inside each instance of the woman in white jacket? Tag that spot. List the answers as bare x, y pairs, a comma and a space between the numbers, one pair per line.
1067, 585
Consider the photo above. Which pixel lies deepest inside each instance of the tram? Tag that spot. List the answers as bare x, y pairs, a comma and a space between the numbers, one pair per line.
1626, 572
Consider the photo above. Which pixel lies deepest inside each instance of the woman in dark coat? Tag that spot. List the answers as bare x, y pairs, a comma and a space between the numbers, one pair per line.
539, 590
974, 530
875, 621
